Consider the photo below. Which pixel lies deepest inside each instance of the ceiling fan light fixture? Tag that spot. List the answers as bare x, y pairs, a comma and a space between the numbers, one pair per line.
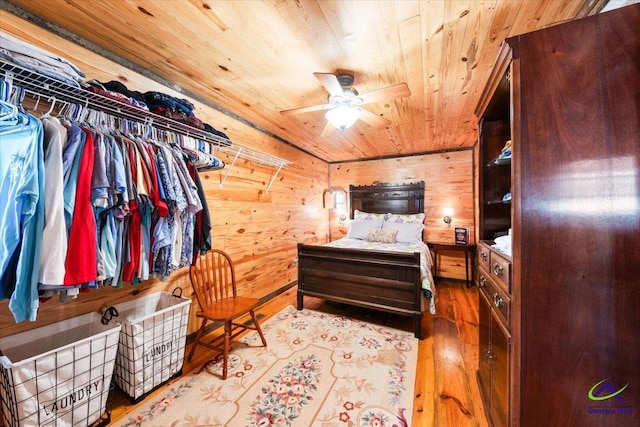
343, 116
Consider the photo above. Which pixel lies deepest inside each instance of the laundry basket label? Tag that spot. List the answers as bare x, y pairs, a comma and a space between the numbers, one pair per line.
160, 350
79, 395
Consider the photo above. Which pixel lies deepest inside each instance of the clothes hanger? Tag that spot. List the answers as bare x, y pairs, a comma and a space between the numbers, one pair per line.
61, 110
17, 96
7, 110
67, 112
5, 88
10, 108
108, 123
82, 111
35, 107
71, 112
52, 100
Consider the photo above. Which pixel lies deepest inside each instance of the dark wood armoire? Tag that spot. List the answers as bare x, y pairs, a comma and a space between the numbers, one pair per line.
560, 316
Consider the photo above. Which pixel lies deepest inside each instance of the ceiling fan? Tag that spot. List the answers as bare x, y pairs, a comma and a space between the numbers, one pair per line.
344, 102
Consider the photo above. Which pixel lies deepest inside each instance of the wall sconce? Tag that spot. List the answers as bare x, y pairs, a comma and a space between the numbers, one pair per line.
448, 213
340, 203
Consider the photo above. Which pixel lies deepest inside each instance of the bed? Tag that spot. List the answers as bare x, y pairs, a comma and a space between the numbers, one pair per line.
394, 278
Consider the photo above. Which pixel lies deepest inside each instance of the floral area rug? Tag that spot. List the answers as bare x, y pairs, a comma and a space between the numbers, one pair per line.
317, 370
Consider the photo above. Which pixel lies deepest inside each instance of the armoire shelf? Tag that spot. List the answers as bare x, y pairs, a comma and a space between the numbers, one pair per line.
51, 90
499, 162
497, 202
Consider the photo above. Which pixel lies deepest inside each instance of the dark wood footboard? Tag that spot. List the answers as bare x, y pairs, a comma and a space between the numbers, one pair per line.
387, 281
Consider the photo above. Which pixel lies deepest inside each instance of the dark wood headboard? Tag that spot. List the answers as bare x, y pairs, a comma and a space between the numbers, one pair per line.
387, 198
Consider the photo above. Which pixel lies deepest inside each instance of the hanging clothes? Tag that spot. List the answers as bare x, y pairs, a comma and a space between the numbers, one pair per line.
81, 261
54, 237
202, 230
21, 209
119, 203
118, 207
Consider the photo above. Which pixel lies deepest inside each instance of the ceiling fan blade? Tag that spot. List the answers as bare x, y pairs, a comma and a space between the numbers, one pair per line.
328, 129
391, 92
306, 109
330, 83
373, 119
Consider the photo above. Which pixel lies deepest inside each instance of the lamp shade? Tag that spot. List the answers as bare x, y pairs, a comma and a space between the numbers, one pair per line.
343, 116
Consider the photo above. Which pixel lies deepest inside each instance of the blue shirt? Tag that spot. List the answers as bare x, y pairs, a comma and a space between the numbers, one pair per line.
71, 156
21, 210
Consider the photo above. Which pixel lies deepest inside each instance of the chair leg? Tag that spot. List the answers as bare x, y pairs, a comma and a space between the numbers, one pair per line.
257, 325
198, 336
227, 334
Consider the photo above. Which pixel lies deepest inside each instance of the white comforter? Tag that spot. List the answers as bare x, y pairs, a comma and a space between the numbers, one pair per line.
428, 283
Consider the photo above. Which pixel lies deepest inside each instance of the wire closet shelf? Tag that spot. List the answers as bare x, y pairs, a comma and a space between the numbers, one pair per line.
55, 90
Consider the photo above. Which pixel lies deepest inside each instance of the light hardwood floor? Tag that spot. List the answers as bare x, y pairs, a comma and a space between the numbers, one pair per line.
446, 390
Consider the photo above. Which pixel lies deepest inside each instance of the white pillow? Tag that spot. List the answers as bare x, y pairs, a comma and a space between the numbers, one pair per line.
367, 216
407, 232
358, 229
412, 218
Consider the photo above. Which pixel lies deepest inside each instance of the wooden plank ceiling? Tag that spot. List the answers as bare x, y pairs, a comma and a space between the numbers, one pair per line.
256, 58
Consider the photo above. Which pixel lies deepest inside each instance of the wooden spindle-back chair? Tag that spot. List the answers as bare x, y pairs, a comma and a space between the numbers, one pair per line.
214, 283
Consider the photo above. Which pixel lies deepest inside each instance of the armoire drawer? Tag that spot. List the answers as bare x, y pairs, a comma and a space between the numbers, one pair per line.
499, 300
484, 255
500, 270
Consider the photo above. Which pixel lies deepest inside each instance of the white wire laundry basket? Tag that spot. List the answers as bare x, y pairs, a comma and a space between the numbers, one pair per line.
152, 341
58, 375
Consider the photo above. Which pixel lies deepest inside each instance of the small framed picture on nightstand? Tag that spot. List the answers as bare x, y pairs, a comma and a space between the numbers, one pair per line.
462, 236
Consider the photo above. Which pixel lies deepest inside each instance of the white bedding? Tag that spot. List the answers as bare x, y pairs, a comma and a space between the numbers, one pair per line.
428, 283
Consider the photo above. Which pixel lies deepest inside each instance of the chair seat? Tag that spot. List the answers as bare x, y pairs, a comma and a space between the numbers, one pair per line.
228, 308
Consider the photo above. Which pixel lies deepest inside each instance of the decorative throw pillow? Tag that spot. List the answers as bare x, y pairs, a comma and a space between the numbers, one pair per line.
411, 218
366, 216
381, 236
359, 229
407, 232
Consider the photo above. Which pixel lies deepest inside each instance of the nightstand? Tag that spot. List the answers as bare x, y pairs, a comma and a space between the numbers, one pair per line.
469, 252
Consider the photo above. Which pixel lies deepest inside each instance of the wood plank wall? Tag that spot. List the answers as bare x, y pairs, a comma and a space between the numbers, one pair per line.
449, 183
260, 230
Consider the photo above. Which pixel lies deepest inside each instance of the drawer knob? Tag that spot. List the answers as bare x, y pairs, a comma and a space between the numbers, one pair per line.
483, 281
499, 302
483, 256
498, 270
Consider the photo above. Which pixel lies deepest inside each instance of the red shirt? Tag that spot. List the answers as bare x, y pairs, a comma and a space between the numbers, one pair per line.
81, 262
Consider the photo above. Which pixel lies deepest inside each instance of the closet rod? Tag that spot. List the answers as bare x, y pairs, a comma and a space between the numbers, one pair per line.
102, 119
234, 151
50, 87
